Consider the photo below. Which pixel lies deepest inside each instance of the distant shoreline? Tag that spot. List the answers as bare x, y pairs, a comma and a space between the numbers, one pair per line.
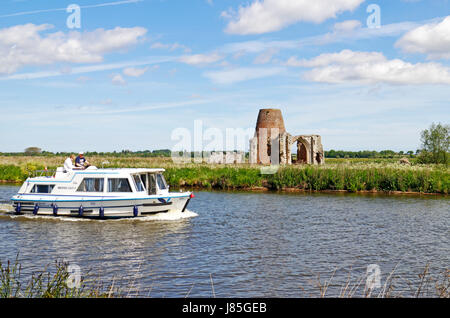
292, 190
306, 191
339, 176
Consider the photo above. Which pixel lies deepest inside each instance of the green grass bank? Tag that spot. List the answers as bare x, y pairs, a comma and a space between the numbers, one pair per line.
343, 175
314, 179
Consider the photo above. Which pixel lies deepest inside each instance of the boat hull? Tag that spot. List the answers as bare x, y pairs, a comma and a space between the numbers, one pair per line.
99, 207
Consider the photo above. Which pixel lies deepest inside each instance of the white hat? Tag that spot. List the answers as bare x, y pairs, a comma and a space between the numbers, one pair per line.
81, 153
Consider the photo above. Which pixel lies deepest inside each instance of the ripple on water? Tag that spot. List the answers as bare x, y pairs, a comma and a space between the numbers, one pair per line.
250, 244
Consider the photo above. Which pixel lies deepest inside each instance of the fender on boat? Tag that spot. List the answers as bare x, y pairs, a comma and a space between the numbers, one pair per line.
36, 209
18, 207
80, 210
55, 210
101, 212
135, 211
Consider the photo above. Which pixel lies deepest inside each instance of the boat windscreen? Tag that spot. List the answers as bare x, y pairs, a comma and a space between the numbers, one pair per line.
138, 183
161, 182
151, 183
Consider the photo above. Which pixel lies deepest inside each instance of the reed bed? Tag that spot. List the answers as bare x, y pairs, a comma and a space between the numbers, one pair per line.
48, 283
351, 175
425, 284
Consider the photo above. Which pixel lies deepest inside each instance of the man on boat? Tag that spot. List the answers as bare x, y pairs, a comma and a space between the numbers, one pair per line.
81, 162
68, 165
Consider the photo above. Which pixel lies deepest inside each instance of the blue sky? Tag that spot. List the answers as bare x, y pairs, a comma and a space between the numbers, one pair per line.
136, 70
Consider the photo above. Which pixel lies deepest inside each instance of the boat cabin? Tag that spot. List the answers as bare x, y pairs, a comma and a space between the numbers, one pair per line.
104, 182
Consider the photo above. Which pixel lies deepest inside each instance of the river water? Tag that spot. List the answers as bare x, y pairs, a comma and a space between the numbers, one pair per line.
241, 244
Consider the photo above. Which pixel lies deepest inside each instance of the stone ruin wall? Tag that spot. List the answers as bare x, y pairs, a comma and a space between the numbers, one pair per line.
271, 138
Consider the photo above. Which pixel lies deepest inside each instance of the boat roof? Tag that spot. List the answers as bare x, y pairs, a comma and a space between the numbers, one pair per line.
126, 170
95, 171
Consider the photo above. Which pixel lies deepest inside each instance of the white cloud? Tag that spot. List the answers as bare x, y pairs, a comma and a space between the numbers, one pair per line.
231, 76
170, 47
263, 16
369, 68
91, 68
115, 3
432, 39
107, 101
346, 26
336, 36
266, 56
117, 79
24, 45
134, 72
345, 57
201, 59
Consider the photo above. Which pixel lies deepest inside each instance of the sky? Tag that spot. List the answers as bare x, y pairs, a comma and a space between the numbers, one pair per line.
110, 75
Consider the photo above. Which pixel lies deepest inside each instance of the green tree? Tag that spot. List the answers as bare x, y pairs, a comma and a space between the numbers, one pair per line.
435, 144
33, 150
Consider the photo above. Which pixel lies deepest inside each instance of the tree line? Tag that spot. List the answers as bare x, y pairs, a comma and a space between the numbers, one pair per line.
167, 153
369, 154
35, 151
435, 143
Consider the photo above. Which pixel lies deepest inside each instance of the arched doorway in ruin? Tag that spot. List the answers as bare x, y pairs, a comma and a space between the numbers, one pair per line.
302, 150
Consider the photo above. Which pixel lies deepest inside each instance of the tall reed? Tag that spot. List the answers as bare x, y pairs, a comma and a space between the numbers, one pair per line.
343, 175
48, 283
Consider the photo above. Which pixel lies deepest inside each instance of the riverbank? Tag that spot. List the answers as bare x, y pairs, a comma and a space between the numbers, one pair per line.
315, 179
338, 176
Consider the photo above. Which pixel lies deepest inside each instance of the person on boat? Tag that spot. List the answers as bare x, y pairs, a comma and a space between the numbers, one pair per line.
68, 165
81, 162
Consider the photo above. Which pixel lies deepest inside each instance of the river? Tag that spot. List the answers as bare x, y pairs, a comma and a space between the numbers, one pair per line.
243, 244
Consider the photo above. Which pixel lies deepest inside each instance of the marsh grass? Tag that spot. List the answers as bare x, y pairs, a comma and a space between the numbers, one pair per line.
49, 283
351, 175
425, 285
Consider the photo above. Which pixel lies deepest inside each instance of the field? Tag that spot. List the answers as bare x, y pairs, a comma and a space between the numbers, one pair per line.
352, 175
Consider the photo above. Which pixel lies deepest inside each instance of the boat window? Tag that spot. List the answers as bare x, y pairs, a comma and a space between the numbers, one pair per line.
144, 180
42, 188
161, 182
91, 185
119, 185
138, 183
151, 184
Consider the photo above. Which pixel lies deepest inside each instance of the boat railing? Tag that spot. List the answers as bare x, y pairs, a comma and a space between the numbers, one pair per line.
41, 173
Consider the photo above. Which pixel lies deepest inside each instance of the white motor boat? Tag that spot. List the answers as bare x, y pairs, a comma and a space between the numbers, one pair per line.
99, 193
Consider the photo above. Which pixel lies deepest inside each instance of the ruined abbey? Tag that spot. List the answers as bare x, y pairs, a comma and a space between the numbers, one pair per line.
271, 143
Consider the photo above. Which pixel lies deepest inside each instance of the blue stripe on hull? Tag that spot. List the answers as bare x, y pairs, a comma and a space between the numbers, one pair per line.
100, 200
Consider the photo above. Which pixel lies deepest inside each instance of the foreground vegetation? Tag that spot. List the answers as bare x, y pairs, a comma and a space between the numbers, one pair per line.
350, 175
54, 283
